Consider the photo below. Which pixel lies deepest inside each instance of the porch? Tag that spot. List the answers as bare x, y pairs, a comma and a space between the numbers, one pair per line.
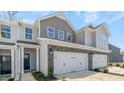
7, 61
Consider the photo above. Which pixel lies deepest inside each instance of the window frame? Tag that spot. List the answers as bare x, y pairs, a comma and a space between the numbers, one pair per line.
28, 33
53, 32
68, 35
59, 35
6, 32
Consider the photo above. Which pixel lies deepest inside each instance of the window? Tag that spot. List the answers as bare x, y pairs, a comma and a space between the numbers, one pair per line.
51, 32
28, 33
61, 35
5, 31
69, 37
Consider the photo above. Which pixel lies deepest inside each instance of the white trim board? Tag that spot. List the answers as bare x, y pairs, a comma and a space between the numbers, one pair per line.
72, 45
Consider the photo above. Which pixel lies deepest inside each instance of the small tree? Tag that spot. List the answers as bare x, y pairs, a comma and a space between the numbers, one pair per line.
12, 16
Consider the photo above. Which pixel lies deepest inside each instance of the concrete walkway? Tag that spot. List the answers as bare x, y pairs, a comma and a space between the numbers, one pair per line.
116, 70
5, 78
27, 77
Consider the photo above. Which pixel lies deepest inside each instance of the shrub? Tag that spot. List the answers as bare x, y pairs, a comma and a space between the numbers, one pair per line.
110, 65
97, 70
41, 76
63, 78
105, 70
11, 79
117, 65
122, 66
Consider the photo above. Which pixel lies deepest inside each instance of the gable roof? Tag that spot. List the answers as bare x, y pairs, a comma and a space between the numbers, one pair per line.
105, 26
83, 29
59, 15
96, 28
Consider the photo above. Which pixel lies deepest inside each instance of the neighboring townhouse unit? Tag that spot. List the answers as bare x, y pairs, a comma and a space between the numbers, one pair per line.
19, 50
115, 55
122, 53
52, 45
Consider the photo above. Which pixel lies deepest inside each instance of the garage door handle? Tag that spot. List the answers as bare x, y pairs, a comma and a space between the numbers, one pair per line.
55, 57
64, 64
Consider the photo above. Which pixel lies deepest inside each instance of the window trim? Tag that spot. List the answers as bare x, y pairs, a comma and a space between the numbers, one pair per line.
67, 36
25, 33
10, 32
63, 34
53, 32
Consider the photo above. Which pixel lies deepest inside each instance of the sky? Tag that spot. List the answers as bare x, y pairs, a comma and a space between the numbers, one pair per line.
79, 19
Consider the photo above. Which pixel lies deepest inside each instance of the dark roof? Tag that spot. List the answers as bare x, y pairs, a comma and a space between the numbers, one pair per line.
111, 45
27, 42
94, 27
91, 26
7, 43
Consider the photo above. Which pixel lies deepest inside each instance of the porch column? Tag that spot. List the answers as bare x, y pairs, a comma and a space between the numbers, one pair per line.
12, 63
22, 60
37, 59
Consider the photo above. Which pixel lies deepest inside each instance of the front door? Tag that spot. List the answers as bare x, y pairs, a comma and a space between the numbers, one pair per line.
26, 61
5, 65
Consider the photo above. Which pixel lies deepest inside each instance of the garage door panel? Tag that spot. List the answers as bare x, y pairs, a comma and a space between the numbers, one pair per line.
65, 62
99, 61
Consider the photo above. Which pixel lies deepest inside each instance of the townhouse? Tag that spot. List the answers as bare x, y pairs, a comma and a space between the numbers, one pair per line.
115, 55
51, 45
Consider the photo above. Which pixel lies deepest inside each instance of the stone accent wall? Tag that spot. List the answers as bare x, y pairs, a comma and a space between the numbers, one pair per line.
52, 48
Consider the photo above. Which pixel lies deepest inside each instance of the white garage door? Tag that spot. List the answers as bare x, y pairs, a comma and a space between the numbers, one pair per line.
99, 61
65, 62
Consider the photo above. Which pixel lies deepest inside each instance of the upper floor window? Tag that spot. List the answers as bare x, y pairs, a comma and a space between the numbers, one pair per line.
69, 37
50, 32
61, 35
28, 33
5, 31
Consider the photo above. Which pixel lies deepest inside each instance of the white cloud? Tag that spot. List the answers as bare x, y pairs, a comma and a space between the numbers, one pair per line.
28, 20
116, 18
90, 17
78, 13
44, 13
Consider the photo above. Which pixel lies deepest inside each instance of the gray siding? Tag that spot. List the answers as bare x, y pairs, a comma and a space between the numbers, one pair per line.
115, 55
58, 24
80, 37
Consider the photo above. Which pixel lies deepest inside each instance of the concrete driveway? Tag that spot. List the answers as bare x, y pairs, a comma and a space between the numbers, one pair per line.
89, 76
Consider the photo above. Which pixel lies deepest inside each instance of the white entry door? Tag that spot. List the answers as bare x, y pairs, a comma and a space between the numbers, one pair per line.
99, 61
65, 62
